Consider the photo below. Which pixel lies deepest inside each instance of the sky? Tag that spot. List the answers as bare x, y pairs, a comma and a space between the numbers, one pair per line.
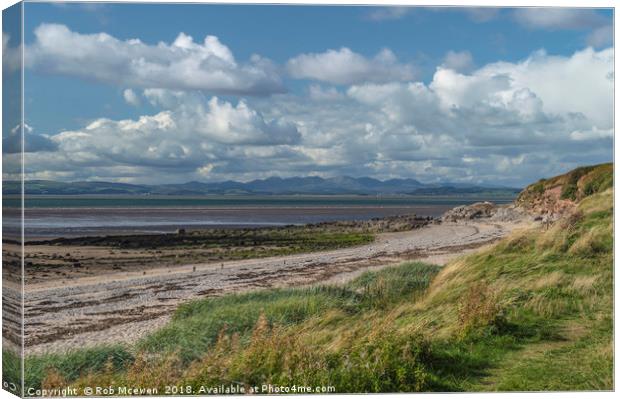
156, 93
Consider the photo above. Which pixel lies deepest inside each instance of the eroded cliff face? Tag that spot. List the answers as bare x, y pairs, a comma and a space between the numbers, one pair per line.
547, 199
549, 202
560, 195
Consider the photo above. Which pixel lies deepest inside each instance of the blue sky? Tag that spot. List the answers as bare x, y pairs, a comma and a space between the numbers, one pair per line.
317, 60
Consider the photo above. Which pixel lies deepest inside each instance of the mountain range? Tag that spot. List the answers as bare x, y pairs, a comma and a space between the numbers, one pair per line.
312, 185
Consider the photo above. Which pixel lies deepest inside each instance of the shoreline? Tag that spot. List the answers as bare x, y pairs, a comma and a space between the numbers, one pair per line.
76, 222
124, 306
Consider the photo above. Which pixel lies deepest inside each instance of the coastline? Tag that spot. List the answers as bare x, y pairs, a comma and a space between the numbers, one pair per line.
125, 305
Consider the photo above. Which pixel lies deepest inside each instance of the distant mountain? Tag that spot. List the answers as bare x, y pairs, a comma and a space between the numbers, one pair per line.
312, 185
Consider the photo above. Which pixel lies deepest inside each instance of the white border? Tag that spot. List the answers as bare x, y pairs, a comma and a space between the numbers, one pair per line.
480, 3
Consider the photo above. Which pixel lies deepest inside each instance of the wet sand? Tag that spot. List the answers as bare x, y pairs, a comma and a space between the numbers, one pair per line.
125, 305
75, 222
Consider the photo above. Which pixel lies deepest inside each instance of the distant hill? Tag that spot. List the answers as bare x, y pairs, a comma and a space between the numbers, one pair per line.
313, 185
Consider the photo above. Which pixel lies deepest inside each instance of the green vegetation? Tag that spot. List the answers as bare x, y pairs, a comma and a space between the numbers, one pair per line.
533, 312
11, 369
290, 237
220, 244
574, 185
71, 365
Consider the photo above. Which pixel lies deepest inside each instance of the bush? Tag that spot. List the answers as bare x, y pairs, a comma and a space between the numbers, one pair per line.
569, 192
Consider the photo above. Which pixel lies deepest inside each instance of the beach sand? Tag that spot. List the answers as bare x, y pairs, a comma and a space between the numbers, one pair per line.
112, 306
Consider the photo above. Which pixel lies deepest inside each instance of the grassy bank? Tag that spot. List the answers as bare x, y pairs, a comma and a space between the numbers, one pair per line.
534, 312
574, 185
198, 327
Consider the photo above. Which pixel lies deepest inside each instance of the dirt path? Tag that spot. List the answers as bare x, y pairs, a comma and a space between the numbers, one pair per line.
123, 307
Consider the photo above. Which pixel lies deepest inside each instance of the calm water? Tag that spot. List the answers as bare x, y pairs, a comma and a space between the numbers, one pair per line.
77, 216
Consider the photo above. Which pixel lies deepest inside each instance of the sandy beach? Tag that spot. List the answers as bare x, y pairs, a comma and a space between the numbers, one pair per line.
123, 306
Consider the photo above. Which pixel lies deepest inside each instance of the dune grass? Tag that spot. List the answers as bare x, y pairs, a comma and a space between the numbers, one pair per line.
533, 312
196, 325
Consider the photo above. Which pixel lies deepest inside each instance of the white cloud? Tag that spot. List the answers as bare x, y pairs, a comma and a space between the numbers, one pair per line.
131, 97
181, 65
592, 134
558, 18
11, 56
184, 142
482, 14
388, 13
12, 143
346, 67
578, 84
17, 129
504, 123
320, 93
601, 37
474, 14
458, 60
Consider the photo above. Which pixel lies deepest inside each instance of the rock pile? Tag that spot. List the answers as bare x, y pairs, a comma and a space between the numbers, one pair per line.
477, 210
486, 210
377, 225
509, 213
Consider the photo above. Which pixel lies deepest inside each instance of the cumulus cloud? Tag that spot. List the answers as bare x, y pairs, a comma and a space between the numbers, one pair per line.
182, 65
320, 93
557, 18
131, 97
458, 60
345, 67
12, 143
592, 134
185, 140
581, 83
503, 123
388, 13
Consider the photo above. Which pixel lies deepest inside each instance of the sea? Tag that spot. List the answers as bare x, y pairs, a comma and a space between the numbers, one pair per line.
74, 216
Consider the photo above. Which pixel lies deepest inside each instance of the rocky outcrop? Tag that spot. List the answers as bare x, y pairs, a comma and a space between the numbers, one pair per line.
477, 210
509, 213
378, 225
549, 204
485, 210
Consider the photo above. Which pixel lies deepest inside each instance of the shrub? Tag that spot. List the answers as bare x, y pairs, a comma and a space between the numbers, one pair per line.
569, 192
